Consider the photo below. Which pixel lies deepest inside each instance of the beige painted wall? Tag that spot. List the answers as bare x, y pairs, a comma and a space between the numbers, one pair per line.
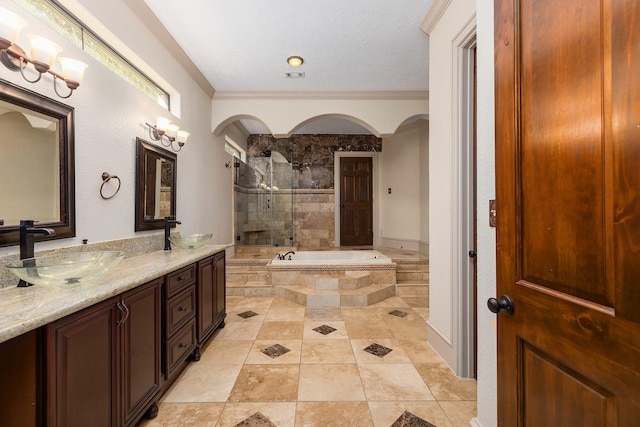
110, 114
404, 212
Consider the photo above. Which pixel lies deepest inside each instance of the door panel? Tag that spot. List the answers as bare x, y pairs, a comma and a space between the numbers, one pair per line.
561, 148
356, 201
540, 372
567, 114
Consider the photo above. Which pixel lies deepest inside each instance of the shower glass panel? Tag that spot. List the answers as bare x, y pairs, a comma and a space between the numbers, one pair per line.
264, 201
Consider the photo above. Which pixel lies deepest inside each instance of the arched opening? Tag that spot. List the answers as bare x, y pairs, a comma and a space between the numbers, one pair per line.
286, 193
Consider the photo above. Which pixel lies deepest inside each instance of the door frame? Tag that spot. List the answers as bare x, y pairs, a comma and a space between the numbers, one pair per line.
337, 155
464, 200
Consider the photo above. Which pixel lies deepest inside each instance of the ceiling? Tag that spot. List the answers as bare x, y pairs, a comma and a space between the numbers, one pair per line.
347, 46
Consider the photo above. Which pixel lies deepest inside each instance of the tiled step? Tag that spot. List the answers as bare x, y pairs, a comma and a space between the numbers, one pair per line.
361, 297
250, 289
412, 276
412, 289
248, 276
412, 272
348, 280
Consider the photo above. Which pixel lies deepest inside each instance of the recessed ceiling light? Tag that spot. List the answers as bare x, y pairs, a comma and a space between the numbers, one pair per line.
295, 61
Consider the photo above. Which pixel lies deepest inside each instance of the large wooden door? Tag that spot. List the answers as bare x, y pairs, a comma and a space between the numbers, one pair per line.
356, 201
568, 201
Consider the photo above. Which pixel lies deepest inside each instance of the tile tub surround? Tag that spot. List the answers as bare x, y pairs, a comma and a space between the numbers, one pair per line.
347, 282
327, 378
25, 309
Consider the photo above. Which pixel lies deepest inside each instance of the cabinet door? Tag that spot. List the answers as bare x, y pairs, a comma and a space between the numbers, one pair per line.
21, 382
219, 304
211, 295
206, 295
82, 354
140, 341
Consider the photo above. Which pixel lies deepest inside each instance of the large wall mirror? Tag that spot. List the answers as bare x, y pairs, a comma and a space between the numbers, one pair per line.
36, 164
155, 185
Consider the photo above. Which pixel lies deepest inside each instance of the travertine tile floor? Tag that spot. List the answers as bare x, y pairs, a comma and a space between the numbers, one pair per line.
279, 364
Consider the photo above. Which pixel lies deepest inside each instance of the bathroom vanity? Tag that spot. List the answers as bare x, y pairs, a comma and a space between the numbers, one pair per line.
102, 353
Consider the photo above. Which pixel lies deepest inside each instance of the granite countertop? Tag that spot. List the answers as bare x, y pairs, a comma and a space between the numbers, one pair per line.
26, 309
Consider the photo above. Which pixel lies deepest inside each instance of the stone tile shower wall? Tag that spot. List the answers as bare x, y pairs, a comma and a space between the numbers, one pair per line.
309, 200
254, 224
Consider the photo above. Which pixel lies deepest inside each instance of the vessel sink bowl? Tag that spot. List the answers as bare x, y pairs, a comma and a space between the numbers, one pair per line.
192, 241
65, 269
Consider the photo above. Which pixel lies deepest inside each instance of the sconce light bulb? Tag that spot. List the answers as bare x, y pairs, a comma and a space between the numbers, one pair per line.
172, 131
72, 71
10, 27
162, 124
182, 137
43, 52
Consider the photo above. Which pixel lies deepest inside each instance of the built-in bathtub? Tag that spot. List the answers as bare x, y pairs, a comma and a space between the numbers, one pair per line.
333, 278
354, 257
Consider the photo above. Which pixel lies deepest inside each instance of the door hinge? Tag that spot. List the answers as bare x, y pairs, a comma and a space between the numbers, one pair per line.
492, 213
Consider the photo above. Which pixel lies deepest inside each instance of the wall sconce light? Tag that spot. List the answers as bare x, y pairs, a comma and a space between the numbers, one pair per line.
43, 55
168, 133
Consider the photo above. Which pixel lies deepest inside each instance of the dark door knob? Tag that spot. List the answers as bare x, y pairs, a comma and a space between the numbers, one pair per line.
503, 305
472, 254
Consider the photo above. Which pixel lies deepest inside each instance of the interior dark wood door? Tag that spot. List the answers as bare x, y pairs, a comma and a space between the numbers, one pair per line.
568, 201
356, 201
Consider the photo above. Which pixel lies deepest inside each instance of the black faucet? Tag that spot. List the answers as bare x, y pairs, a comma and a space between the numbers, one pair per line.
168, 220
282, 257
27, 231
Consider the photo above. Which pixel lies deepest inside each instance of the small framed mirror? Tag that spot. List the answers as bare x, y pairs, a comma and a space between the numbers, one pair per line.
155, 185
36, 164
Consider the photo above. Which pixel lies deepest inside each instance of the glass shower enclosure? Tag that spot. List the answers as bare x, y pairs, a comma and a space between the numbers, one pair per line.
263, 193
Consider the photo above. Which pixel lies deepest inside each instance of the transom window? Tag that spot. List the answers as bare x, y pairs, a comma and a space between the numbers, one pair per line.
73, 29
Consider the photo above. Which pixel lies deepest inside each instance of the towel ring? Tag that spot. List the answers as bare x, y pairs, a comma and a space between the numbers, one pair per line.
106, 178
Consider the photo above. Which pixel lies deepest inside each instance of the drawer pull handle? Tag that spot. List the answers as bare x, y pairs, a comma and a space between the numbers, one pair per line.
182, 345
181, 308
180, 278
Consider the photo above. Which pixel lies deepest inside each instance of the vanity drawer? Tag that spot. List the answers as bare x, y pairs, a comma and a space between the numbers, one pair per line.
179, 279
179, 309
178, 348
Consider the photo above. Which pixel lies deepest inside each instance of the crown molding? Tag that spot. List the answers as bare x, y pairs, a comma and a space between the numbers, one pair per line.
438, 8
382, 95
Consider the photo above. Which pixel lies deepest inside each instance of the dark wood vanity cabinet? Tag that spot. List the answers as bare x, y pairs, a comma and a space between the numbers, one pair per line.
211, 296
103, 363
108, 364
179, 326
